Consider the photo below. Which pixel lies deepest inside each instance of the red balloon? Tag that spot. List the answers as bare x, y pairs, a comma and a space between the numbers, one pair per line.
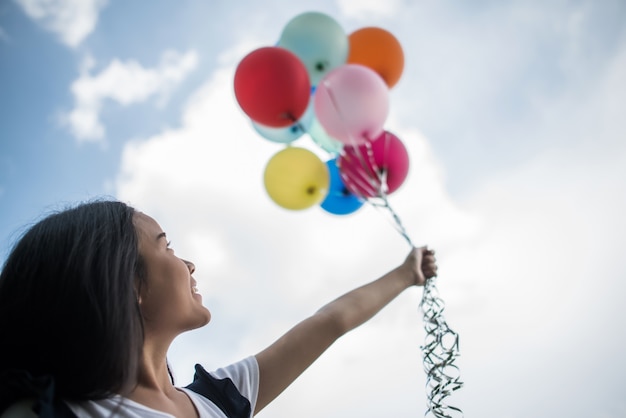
272, 86
376, 168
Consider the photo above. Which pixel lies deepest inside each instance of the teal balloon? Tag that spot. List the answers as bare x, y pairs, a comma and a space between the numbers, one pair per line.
290, 133
318, 40
339, 200
322, 139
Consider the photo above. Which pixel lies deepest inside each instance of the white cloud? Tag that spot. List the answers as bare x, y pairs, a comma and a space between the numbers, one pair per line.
530, 261
126, 83
361, 9
203, 182
71, 20
544, 276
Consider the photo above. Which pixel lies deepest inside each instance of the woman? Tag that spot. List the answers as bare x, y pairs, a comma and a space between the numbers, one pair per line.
91, 299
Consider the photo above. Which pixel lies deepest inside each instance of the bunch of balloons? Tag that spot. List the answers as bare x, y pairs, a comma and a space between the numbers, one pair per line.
333, 86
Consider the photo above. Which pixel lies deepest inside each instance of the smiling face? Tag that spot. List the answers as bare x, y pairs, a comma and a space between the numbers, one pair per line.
169, 300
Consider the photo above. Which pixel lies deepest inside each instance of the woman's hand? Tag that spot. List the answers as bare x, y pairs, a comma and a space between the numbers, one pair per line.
420, 265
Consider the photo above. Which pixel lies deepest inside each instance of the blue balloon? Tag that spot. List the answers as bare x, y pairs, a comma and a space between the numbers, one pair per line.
339, 200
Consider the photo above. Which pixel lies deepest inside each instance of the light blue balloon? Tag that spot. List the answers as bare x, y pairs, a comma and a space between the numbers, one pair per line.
290, 133
322, 139
339, 200
318, 40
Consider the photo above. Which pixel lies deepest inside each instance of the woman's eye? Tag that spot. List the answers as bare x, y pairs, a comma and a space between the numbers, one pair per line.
169, 244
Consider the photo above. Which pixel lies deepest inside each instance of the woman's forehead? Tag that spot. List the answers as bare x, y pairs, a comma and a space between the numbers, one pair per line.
146, 225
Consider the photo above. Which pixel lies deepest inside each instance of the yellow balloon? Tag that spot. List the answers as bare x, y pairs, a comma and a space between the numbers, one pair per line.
295, 178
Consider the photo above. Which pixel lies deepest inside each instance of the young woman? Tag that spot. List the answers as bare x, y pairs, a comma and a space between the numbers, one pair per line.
91, 299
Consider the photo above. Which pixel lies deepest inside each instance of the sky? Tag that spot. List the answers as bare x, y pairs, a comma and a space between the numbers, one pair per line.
512, 114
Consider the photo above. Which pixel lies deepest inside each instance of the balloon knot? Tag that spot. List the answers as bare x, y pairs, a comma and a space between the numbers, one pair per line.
289, 116
321, 66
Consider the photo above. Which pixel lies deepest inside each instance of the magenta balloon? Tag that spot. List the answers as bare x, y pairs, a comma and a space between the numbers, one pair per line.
371, 169
352, 103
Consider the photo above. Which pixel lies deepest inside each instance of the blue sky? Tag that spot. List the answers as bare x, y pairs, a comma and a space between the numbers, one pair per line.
512, 113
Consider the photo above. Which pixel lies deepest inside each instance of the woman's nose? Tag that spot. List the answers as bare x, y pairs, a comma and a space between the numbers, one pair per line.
191, 266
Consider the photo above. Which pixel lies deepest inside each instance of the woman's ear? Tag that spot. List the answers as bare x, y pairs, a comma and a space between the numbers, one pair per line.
138, 288
139, 294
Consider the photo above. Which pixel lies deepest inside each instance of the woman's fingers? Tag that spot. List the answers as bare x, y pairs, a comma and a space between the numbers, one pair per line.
429, 263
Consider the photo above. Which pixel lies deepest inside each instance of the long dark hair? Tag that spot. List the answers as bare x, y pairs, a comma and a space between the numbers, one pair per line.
68, 303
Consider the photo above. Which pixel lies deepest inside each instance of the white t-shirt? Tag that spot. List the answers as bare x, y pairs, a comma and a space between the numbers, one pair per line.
243, 374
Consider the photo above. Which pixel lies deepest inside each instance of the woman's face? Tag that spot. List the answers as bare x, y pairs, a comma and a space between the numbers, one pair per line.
168, 297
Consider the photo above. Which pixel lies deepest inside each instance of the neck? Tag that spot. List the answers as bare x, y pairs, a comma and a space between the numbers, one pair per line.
154, 386
153, 370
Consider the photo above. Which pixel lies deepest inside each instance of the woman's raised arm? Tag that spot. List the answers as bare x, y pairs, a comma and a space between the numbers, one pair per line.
283, 361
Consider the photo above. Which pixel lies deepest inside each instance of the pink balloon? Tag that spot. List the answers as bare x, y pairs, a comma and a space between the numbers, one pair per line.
352, 103
371, 169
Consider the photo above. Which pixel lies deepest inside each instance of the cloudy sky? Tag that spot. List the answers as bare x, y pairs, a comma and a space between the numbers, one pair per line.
513, 115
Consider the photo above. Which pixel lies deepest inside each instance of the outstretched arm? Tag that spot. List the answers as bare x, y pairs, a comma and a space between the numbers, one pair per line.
282, 362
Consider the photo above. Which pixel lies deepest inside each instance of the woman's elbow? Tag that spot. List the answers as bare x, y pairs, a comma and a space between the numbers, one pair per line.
332, 322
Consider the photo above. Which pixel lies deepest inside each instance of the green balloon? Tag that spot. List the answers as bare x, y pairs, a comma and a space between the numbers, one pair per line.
322, 139
318, 40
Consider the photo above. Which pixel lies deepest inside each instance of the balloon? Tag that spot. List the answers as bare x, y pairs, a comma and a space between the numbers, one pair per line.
272, 86
339, 200
290, 133
318, 40
352, 104
295, 178
322, 139
375, 168
379, 50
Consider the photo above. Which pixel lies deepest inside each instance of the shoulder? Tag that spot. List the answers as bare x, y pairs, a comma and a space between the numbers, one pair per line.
33, 408
233, 389
20, 409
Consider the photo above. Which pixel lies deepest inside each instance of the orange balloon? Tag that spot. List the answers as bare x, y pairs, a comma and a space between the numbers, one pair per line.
379, 50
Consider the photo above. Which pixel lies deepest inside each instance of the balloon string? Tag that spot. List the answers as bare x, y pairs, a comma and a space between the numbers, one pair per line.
371, 175
396, 221
360, 181
376, 178
441, 347
440, 350
369, 166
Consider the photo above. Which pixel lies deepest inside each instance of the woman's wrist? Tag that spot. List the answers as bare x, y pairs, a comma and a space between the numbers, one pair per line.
408, 275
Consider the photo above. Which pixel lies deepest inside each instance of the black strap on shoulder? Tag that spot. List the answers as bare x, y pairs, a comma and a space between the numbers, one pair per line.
222, 392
